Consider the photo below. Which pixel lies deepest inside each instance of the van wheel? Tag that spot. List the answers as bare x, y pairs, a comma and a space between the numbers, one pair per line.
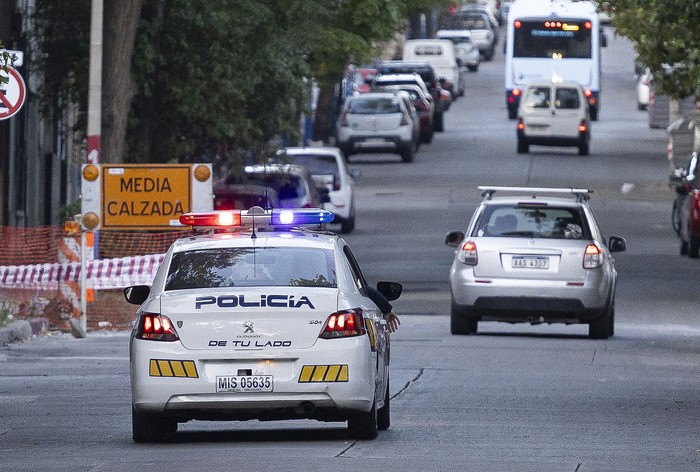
523, 147
583, 149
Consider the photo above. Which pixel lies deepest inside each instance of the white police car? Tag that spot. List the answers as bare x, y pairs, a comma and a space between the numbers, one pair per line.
265, 322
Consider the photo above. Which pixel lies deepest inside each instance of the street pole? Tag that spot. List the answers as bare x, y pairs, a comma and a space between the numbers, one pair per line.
94, 138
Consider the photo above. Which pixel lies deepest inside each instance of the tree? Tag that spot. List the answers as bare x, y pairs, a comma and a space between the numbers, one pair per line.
666, 35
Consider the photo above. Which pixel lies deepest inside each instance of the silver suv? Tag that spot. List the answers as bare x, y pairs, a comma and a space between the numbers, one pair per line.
534, 257
379, 122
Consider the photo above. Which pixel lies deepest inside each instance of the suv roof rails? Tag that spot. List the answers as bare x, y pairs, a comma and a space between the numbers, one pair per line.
582, 194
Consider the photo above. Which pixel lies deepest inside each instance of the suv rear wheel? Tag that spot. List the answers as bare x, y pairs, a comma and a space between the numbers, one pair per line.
459, 324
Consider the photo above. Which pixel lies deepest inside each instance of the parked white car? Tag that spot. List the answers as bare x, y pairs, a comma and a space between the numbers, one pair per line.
328, 169
439, 53
467, 51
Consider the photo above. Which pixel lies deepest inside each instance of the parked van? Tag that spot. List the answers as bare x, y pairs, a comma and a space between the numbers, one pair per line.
440, 53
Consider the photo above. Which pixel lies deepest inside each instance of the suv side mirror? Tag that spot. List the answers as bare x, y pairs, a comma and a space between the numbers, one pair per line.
617, 244
391, 290
453, 238
137, 294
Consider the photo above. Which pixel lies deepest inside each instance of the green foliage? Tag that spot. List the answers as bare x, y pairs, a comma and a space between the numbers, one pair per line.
666, 34
217, 80
62, 35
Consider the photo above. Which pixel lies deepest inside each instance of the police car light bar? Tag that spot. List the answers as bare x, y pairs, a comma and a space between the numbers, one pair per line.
257, 217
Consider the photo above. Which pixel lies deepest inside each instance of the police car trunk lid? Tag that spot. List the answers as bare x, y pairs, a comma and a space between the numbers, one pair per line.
250, 319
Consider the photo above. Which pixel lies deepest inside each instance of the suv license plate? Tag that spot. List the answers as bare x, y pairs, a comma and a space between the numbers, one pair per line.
243, 383
526, 262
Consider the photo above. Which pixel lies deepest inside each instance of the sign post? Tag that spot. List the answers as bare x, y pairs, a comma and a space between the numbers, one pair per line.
12, 94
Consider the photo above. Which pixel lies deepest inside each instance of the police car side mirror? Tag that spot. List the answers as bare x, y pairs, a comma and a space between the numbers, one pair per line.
453, 238
390, 290
617, 244
137, 294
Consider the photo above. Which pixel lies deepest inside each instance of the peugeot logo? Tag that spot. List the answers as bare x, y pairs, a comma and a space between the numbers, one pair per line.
248, 325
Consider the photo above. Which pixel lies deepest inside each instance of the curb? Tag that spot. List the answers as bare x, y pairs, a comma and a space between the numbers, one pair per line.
22, 330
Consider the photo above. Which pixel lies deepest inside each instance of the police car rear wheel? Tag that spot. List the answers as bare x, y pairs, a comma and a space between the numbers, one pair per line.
148, 428
384, 413
364, 425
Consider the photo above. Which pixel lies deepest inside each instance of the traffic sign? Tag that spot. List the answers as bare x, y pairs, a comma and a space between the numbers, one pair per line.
143, 196
12, 93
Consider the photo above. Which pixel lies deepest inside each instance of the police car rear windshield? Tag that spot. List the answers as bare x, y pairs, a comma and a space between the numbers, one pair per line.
249, 267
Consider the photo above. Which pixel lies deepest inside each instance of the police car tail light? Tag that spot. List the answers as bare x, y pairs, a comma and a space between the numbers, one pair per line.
592, 257
212, 219
467, 253
344, 324
155, 327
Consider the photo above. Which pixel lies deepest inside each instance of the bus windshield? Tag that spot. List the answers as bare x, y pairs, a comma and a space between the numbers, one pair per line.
560, 39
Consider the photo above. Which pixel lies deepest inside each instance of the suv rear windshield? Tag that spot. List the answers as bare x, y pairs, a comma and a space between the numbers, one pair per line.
248, 267
467, 22
532, 221
373, 106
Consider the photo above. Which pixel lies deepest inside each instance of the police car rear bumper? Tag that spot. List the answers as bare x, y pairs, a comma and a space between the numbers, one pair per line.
292, 396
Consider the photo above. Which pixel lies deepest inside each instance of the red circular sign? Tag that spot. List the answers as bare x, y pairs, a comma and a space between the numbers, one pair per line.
12, 93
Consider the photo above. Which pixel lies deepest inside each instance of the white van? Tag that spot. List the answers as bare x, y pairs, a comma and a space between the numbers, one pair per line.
554, 114
439, 53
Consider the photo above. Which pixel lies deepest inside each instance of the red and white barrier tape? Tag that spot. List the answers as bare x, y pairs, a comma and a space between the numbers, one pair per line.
101, 274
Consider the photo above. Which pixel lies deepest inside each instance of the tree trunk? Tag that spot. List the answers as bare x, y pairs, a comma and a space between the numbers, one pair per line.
121, 18
326, 113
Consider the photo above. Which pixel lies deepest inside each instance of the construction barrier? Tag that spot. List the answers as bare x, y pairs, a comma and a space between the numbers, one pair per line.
40, 274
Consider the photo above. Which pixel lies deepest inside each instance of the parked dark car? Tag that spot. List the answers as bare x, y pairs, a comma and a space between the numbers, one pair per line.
688, 206
428, 75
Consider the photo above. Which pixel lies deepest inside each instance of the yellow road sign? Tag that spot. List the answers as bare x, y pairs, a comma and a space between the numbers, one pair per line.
145, 196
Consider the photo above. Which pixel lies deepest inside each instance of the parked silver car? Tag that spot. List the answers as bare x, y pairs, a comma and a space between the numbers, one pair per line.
535, 257
379, 122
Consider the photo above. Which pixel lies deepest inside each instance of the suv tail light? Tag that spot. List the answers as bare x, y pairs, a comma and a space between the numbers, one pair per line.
344, 324
467, 253
336, 182
156, 327
592, 257
344, 119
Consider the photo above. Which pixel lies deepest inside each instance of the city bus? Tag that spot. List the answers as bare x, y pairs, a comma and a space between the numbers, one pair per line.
553, 39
